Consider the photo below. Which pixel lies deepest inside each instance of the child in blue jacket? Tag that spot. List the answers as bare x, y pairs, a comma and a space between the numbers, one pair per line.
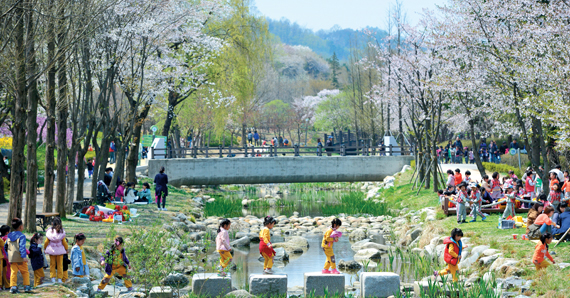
37, 258
79, 265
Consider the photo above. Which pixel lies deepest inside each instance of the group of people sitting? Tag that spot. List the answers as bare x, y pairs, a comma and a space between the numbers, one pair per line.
547, 214
125, 192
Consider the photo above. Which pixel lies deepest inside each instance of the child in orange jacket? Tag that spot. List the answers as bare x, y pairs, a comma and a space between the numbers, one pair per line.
541, 251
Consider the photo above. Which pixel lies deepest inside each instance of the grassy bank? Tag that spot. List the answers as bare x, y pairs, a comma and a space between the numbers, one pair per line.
403, 196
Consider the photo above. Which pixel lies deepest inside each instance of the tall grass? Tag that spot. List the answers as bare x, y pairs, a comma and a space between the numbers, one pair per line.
353, 203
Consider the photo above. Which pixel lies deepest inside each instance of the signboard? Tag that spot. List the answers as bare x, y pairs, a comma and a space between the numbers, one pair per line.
146, 140
117, 218
513, 151
153, 128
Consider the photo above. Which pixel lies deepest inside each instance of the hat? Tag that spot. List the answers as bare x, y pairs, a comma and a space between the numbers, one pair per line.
510, 186
471, 185
564, 204
330, 137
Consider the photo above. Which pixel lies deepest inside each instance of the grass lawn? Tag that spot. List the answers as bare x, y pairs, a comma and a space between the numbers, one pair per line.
402, 196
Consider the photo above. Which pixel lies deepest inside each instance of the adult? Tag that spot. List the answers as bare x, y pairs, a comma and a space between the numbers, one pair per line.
112, 149
256, 138
161, 188
563, 221
249, 137
130, 194
494, 150
89, 165
514, 144
120, 191
533, 213
280, 141
108, 176
329, 145
483, 144
458, 143
485, 184
503, 149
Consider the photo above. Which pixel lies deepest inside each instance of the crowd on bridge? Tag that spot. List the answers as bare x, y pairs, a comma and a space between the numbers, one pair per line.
455, 152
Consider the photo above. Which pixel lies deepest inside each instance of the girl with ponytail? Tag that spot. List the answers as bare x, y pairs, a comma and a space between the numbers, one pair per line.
223, 246
79, 265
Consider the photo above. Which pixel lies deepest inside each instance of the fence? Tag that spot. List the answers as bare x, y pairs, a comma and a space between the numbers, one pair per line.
275, 151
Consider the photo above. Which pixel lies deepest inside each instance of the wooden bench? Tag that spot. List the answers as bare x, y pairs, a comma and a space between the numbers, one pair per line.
44, 219
78, 205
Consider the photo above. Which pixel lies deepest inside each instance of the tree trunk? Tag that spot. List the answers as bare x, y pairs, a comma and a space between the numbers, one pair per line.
169, 114
480, 166
61, 139
133, 157
101, 158
119, 166
70, 179
19, 116
243, 134
50, 141
32, 125
80, 175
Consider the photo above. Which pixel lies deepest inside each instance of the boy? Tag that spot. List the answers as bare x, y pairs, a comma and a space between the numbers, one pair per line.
458, 177
511, 200
476, 199
452, 254
461, 200
17, 256
467, 177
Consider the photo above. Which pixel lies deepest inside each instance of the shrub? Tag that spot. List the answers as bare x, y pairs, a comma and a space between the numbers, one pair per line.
501, 168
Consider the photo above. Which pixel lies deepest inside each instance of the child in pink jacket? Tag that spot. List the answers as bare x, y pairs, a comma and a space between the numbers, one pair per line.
56, 246
223, 246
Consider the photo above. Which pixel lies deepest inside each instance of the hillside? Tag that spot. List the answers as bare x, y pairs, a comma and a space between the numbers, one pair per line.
322, 42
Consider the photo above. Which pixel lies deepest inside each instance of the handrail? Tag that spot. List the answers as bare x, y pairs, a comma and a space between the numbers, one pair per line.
275, 151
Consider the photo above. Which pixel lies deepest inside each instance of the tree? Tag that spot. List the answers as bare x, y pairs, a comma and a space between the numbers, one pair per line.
335, 66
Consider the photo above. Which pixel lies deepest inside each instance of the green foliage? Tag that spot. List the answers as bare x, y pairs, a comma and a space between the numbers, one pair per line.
501, 168
353, 203
334, 112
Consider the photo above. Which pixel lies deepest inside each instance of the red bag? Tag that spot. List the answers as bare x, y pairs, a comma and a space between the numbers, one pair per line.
98, 218
91, 218
90, 211
117, 207
101, 213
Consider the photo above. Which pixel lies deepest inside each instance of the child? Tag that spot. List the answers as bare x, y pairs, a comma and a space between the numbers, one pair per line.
265, 246
56, 246
452, 253
553, 179
511, 198
37, 258
17, 256
476, 199
467, 177
223, 246
512, 175
462, 198
327, 245
115, 261
130, 193
471, 157
529, 184
79, 265
555, 196
458, 177
450, 180
540, 251
496, 192
441, 196
4, 264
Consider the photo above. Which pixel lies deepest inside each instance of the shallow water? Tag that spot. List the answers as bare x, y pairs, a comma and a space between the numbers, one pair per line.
310, 261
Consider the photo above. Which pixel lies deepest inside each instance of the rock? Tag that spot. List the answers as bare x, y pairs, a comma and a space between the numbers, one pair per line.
316, 283
513, 282
175, 280
356, 246
415, 234
95, 273
281, 254
80, 280
379, 284
486, 261
490, 252
382, 248
357, 235
479, 249
211, 285
239, 294
198, 200
245, 202
168, 227
182, 216
160, 292
295, 245
389, 179
268, 285
244, 241
367, 254
406, 168
351, 265
194, 236
272, 202
133, 295
503, 265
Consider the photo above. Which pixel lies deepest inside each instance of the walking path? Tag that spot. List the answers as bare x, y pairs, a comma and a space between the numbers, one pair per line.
475, 174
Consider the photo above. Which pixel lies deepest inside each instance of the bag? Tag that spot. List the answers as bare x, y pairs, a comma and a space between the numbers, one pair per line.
14, 251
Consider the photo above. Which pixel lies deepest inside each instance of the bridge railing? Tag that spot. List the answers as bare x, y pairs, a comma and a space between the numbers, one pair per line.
275, 151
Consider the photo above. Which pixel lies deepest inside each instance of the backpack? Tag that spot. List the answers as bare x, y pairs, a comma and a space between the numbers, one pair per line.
14, 251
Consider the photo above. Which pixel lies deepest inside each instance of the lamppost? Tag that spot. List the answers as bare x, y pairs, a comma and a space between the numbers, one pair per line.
306, 129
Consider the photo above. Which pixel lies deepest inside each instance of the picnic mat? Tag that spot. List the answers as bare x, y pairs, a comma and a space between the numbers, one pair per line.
553, 241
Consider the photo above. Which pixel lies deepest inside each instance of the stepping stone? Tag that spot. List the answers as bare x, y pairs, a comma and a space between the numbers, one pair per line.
316, 283
379, 284
267, 285
211, 285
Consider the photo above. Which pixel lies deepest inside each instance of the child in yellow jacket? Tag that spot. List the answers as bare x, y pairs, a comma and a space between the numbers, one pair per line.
265, 246
327, 245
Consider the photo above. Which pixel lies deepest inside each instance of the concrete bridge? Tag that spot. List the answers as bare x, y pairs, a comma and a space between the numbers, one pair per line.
258, 170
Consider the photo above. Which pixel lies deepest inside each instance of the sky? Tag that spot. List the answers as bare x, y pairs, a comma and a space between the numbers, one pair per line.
354, 14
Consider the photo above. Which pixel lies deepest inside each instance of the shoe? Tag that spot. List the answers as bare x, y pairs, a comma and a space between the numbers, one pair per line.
130, 289
59, 281
53, 280
325, 271
483, 219
473, 220
334, 271
459, 222
98, 290
435, 273
27, 289
268, 271
164, 209
14, 290
159, 209
463, 221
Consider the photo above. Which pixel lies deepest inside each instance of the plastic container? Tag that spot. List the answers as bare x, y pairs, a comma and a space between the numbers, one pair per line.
133, 211
507, 224
515, 236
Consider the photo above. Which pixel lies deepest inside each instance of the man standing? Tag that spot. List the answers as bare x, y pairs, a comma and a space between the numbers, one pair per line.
108, 176
514, 145
112, 152
458, 144
329, 145
256, 138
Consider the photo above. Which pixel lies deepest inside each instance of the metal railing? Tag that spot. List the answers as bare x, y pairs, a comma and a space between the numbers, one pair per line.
275, 151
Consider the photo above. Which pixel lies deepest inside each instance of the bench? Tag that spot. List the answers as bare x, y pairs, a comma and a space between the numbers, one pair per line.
44, 219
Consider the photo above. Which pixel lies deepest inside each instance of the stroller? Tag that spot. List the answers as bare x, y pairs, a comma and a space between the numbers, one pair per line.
103, 195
